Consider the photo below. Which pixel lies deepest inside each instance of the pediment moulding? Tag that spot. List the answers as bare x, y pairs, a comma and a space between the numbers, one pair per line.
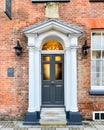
50, 29
53, 24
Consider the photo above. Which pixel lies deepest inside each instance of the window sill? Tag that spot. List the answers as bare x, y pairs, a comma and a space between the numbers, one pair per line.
96, 0
33, 1
96, 92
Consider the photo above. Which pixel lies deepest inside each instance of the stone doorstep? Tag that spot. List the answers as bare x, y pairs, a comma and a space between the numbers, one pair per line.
53, 123
50, 122
54, 112
53, 116
53, 109
53, 120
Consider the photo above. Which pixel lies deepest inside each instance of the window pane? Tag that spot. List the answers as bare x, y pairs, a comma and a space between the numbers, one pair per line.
97, 116
58, 58
96, 79
102, 78
102, 54
46, 58
102, 116
103, 66
58, 71
96, 54
93, 66
96, 66
103, 41
46, 71
96, 40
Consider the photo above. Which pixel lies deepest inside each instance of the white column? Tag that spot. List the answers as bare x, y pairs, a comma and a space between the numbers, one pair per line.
67, 78
33, 101
37, 79
73, 81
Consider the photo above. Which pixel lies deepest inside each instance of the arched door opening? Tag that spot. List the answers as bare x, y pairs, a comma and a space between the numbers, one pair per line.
52, 75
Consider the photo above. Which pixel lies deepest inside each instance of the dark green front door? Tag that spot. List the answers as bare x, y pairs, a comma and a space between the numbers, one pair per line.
53, 79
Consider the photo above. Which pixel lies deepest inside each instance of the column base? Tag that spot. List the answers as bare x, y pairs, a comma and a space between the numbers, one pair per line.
73, 118
32, 118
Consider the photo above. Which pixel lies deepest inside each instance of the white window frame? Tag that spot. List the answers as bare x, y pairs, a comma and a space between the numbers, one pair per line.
92, 86
100, 112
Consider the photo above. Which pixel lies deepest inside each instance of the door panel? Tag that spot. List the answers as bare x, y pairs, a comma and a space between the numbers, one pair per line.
59, 94
46, 97
52, 79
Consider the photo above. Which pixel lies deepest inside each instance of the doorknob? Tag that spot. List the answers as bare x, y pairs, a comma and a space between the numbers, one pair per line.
52, 82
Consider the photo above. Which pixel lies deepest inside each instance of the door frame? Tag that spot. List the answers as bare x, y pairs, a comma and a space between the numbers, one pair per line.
70, 69
37, 34
56, 81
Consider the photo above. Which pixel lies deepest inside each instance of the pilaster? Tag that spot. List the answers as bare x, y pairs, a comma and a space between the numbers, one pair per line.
73, 79
33, 114
67, 78
73, 115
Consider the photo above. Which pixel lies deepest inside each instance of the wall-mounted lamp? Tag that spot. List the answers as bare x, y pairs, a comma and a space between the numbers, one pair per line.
18, 49
85, 48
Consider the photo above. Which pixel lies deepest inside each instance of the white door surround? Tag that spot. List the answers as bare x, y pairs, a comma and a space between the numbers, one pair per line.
67, 35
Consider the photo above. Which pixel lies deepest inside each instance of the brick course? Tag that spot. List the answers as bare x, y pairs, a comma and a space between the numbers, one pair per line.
14, 90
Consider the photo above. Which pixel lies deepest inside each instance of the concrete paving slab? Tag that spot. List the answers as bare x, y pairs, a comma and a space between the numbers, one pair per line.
90, 129
34, 128
62, 128
100, 127
6, 129
18, 125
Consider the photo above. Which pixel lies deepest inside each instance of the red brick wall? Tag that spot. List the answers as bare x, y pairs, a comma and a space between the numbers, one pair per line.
14, 90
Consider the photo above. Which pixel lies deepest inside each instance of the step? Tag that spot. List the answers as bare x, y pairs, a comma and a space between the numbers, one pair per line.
53, 116
53, 109
53, 122
55, 113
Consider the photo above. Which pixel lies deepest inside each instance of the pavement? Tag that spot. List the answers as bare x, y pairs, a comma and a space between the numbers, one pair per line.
18, 125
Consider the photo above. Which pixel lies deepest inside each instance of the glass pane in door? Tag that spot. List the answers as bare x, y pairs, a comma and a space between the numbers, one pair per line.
46, 58
58, 71
46, 71
58, 58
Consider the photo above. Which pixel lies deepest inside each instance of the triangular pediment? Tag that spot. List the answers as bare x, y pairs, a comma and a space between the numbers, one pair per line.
53, 24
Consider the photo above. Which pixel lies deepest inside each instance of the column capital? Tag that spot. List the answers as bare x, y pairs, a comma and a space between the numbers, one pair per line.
74, 47
67, 49
71, 47
32, 35
32, 39
33, 48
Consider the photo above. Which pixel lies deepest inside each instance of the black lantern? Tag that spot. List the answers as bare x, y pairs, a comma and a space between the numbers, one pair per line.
18, 49
85, 48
